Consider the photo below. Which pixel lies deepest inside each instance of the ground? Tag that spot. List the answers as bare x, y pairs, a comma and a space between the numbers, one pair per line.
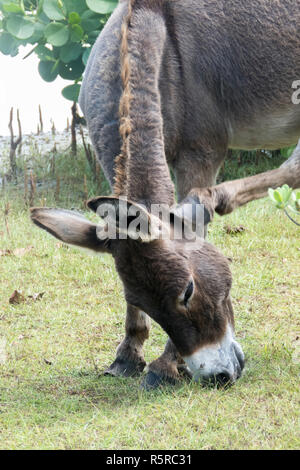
52, 393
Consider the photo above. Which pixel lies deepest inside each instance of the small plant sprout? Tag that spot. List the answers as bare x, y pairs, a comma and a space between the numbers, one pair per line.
286, 199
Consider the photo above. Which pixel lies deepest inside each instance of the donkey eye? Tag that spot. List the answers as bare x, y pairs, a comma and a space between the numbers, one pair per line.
187, 294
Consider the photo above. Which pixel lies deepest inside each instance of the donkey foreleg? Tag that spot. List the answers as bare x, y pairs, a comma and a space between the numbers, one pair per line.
130, 357
166, 369
226, 197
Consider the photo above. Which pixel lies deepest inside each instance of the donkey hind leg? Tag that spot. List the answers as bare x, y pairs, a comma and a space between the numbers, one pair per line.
166, 369
196, 169
130, 357
226, 197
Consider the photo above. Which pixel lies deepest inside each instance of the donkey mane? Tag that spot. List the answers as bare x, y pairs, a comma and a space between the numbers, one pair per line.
142, 154
124, 108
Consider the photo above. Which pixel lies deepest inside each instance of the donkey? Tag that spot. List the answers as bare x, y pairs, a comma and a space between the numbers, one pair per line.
194, 78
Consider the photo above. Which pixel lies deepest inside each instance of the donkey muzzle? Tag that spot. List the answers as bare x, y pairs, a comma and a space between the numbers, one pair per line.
217, 364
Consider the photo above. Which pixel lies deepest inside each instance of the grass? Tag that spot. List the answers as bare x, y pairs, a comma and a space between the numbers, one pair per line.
52, 393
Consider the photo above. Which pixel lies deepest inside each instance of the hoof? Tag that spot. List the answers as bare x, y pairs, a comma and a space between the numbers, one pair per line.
185, 373
152, 381
125, 368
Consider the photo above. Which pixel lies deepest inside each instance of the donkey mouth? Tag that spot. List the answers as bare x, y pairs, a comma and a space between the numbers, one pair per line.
228, 376
220, 364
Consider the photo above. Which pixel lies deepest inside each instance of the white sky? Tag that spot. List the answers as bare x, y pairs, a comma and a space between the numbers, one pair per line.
22, 87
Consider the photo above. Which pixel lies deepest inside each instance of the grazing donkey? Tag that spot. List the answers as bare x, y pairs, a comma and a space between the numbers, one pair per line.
195, 78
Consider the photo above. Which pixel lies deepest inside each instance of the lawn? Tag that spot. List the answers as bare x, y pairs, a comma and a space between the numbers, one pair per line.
52, 392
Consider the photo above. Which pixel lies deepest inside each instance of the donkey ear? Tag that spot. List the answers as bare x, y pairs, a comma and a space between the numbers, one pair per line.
127, 218
69, 227
193, 212
96, 203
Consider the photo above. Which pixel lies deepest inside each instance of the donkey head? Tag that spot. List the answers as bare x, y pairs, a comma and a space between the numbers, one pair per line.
183, 284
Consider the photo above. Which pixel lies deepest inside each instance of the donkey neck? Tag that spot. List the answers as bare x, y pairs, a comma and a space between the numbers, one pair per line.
148, 175
148, 178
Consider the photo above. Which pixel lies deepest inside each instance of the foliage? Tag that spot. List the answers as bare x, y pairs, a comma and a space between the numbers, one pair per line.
62, 33
285, 198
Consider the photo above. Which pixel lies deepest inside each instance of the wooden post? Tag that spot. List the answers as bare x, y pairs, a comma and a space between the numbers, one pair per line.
20, 132
73, 129
87, 150
52, 169
86, 195
92, 160
25, 186
14, 143
6, 212
3, 183
41, 127
53, 128
32, 189
57, 188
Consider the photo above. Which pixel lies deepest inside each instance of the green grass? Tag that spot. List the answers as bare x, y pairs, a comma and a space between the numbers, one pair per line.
79, 322
240, 164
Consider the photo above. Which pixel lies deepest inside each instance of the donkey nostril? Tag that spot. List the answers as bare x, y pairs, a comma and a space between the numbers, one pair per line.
223, 378
240, 356
241, 362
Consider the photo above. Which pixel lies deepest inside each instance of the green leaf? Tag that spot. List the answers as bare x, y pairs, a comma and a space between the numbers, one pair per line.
282, 197
271, 194
92, 37
297, 194
55, 66
71, 92
296, 201
46, 71
102, 6
286, 193
54, 9
39, 6
72, 70
56, 52
277, 196
90, 21
76, 5
86, 54
43, 17
74, 18
20, 27
57, 34
38, 33
70, 52
76, 33
44, 53
13, 7
8, 44
31, 4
